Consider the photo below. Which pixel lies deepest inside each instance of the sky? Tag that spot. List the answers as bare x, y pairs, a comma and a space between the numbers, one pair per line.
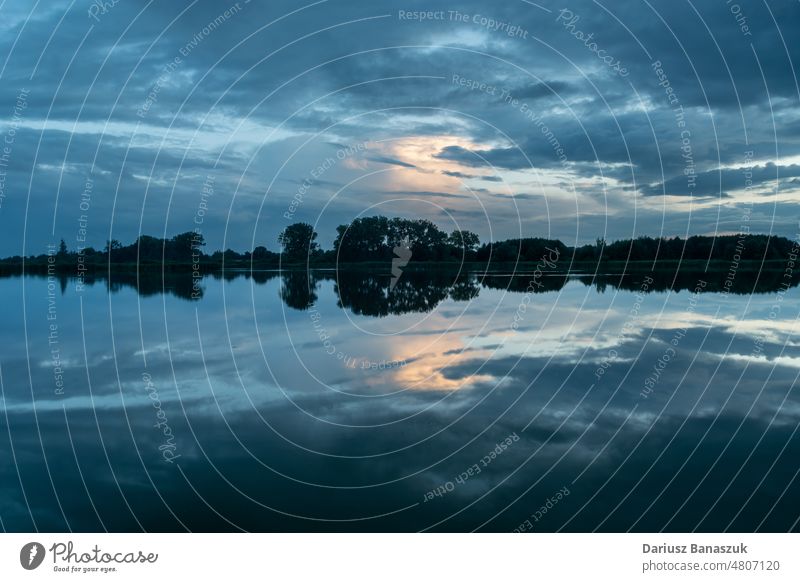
576, 120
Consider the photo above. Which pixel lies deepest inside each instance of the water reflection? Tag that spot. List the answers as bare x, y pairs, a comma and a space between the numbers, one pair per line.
373, 295
366, 293
299, 289
323, 401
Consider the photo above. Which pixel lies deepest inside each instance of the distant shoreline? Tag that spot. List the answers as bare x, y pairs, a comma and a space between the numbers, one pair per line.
385, 245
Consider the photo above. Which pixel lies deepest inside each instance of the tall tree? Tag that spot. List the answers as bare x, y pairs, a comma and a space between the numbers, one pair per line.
464, 241
298, 241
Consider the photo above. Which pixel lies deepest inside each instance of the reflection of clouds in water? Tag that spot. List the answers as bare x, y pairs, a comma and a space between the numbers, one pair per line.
418, 438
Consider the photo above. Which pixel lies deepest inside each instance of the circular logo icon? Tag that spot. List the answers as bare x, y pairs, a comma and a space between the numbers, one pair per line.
31, 555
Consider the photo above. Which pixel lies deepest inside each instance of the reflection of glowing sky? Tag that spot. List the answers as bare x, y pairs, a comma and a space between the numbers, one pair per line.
431, 350
542, 374
550, 330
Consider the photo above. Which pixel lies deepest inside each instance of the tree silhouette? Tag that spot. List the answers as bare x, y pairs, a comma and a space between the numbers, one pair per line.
297, 241
464, 241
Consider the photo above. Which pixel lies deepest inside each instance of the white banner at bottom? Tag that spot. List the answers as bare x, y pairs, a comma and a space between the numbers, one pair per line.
371, 557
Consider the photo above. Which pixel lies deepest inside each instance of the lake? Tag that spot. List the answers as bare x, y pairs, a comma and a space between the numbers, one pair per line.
346, 401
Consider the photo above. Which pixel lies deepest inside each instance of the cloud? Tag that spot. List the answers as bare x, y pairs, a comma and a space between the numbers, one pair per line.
276, 76
464, 176
390, 161
721, 182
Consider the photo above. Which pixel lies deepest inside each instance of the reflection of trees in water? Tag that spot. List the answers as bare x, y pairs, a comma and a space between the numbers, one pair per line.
147, 284
526, 283
465, 288
367, 293
735, 281
261, 277
740, 282
299, 289
414, 292
181, 283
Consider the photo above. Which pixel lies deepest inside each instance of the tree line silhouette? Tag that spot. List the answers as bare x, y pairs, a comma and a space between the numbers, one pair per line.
376, 240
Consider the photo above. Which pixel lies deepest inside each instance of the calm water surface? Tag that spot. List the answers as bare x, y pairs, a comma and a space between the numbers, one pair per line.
446, 402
